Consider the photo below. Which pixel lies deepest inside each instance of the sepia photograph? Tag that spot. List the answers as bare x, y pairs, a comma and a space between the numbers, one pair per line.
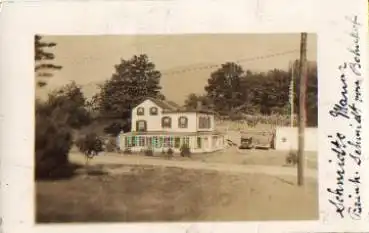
174, 128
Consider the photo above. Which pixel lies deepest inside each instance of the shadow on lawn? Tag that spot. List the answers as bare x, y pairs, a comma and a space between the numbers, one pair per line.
69, 171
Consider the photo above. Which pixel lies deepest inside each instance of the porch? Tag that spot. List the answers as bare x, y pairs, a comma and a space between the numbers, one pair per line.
199, 142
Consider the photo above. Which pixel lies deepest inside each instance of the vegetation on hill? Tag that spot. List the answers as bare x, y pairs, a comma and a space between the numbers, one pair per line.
235, 93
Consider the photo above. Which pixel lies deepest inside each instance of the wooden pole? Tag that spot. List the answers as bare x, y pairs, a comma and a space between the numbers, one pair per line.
292, 94
302, 109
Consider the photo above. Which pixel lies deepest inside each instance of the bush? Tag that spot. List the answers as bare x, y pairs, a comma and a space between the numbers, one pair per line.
292, 158
111, 145
185, 151
114, 129
127, 150
90, 144
170, 153
149, 152
52, 145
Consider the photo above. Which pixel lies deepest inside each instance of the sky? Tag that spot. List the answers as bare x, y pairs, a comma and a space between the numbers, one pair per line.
89, 60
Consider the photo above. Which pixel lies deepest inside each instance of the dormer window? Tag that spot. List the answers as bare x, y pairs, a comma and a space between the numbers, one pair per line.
182, 122
153, 111
140, 111
166, 122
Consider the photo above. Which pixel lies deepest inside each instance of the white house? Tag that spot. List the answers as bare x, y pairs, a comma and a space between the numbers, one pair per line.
160, 125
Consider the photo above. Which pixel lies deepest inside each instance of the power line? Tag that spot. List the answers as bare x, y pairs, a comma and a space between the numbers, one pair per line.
190, 68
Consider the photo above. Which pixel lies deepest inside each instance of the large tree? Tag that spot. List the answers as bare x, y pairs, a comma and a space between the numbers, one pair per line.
193, 100
44, 60
311, 93
268, 92
133, 80
68, 104
224, 88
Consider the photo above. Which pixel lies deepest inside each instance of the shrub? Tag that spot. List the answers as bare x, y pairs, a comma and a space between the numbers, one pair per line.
113, 129
111, 145
170, 153
149, 152
90, 145
127, 150
185, 151
52, 145
292, 158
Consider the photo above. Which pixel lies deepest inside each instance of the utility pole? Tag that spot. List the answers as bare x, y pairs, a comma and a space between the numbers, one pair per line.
302, 110
292, 67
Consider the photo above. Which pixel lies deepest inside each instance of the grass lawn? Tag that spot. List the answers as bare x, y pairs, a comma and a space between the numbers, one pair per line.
251, 157
145, 193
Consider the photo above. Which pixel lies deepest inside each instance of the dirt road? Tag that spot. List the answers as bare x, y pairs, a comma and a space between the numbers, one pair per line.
115, 158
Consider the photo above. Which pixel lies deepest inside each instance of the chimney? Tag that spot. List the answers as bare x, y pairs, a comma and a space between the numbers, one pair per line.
199, 105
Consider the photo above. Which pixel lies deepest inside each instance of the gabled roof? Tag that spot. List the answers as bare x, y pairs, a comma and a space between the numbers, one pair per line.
165, 105
171, 107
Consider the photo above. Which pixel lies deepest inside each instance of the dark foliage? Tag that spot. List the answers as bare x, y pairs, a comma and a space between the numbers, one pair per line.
127, 151
185, 150
231, 92
149, 152
53, 142
132, 81
90, 144
114, 129
292, 158
43, 59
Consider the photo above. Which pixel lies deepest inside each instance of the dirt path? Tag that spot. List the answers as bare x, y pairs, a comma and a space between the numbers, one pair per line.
113, 158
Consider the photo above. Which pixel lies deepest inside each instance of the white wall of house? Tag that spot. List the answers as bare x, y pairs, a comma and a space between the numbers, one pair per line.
153, 122
191, 123
287, 139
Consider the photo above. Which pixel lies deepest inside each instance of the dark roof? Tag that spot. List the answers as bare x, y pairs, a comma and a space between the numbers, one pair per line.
165, 105
168, 133
187, 111
171, 107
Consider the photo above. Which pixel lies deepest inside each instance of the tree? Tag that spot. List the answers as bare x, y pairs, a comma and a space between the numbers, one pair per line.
63, 111
224, 88
270, 91
192, 101
43, 60
311, 94
52, 144
133, 81
68, 104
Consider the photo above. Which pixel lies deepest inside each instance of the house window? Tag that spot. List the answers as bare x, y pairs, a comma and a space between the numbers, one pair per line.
209, 122
171, 142
204, 122
198, 142
186, 141
182, 122
149, 142
167, 142
166, 122
141, 125
128, 141
153, 111
140, 111
155, 142
177, 142
141, 141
